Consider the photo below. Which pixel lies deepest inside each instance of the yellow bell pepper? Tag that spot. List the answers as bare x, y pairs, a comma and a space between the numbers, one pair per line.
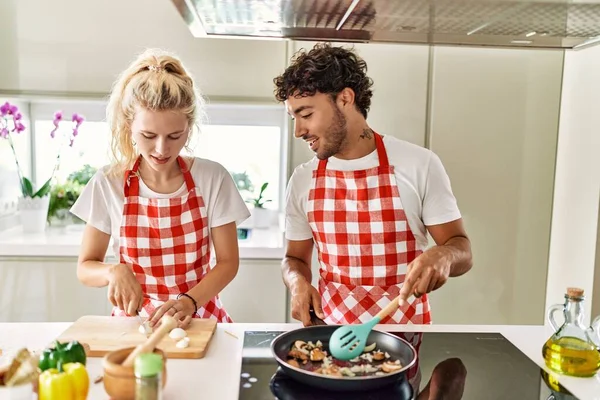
68, 382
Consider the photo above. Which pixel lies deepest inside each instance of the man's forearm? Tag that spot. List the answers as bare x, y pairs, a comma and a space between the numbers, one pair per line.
461, 259
295, 270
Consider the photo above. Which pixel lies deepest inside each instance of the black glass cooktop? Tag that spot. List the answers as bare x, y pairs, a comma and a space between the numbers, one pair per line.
495, 369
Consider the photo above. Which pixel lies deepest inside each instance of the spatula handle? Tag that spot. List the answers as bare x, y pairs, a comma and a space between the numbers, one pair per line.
167, 323
390, 308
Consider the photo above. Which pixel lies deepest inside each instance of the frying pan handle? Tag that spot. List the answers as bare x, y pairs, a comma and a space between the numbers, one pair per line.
314, 320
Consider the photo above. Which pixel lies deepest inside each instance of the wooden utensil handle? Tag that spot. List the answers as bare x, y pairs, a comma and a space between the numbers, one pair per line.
167, 323
390, 308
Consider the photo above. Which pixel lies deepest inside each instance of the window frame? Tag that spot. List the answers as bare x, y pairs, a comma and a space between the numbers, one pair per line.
215, 113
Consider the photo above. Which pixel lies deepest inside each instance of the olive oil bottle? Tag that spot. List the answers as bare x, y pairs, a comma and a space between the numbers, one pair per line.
573, 349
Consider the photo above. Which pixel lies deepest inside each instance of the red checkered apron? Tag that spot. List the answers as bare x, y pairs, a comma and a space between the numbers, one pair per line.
364, 244
167, 245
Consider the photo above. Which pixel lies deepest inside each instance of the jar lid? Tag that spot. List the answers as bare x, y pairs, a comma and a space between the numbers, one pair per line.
148, 364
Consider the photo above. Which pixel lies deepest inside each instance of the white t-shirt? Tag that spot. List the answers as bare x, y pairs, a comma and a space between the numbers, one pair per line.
422, 181
101, 201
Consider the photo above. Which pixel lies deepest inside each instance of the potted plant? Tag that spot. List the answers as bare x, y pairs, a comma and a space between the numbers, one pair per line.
33, 205
64, 195
261, 216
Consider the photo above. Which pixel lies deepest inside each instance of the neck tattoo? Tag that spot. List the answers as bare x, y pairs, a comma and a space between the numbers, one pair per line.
367, 133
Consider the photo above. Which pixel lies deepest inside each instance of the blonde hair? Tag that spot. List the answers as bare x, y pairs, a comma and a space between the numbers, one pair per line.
156, 81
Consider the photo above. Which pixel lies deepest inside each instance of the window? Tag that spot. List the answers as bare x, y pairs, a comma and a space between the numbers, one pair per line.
248, 140
245, 139
91, 147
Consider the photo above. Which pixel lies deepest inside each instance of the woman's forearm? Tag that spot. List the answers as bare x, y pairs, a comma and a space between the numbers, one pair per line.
94, 273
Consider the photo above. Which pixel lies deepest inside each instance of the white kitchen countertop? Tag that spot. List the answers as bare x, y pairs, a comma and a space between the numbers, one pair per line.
65, 242
217, 375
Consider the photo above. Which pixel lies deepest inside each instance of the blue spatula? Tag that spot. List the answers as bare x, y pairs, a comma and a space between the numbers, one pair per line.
349, 341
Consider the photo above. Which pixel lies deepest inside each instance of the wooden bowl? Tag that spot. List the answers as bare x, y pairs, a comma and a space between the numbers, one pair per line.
119, 381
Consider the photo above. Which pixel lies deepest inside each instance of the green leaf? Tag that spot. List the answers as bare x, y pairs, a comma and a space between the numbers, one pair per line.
262, 188
27, 188
44, 190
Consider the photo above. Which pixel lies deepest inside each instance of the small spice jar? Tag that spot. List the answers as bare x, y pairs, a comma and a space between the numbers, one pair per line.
148, 376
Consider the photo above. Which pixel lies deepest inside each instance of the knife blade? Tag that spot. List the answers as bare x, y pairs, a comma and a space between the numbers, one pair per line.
143, 325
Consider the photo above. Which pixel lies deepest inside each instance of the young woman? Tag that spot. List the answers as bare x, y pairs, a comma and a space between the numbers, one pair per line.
162, 210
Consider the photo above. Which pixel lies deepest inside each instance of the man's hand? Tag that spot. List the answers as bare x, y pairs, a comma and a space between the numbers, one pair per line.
427, 272
304, 298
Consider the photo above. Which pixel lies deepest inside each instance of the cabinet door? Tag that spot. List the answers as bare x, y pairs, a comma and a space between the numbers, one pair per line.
494, 124
46, 290
257, 293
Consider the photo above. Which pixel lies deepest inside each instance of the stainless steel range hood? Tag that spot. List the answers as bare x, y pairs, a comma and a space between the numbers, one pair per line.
559, 24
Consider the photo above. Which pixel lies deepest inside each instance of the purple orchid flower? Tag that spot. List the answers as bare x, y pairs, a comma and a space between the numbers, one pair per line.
8, 109
57, 118
78, 119
17, 116
19, 127
4, 133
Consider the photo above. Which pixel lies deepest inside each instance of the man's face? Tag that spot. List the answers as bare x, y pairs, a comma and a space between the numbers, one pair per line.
319, 122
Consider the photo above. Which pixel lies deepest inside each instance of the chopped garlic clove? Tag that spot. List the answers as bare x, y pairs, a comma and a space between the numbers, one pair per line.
183, 343
177, 334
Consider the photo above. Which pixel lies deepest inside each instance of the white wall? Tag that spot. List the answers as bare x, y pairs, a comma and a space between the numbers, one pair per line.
81, 46
577, 187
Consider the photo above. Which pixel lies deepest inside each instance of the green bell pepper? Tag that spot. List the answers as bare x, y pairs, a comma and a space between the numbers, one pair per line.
64, 353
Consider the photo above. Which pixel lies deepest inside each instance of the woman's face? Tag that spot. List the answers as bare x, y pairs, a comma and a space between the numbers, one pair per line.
160, 136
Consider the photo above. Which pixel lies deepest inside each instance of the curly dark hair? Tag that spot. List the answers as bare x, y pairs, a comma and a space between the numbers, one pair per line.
326, 69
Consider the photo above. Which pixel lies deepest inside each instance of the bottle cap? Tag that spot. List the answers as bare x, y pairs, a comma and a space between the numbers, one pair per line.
574, 292
148, 364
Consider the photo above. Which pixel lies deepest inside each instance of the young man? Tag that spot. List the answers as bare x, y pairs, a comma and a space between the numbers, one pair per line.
366, 200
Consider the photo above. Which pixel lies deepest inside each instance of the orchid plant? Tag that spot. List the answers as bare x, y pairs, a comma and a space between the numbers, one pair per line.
11, 124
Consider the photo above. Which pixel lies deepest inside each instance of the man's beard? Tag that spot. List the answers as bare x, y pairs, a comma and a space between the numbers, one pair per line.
335, 137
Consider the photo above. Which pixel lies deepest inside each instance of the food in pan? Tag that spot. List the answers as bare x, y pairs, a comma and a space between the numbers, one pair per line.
313, 357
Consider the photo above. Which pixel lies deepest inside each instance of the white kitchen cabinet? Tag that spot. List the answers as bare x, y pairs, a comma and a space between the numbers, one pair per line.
494, 124
42, 289
257, 293
46, 290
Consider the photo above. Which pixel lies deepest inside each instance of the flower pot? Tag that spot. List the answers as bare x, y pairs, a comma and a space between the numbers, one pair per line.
33, 212
262, 217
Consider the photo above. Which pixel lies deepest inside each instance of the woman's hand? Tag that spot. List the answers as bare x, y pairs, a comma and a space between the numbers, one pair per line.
124, 291
181, 309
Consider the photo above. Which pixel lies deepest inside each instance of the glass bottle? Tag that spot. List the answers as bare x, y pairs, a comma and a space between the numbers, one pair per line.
148, 376
573, 349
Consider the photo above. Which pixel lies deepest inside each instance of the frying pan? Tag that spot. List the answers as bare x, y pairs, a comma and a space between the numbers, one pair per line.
398, 349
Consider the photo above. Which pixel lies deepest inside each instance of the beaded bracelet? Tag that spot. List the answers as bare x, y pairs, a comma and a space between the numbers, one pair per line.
189, 297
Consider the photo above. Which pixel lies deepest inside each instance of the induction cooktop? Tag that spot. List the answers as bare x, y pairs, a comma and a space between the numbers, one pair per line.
495, 369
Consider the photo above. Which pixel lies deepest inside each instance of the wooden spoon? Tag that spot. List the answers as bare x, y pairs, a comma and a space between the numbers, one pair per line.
167, 323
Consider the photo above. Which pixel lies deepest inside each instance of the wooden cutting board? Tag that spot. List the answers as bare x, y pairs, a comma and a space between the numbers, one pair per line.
104, 334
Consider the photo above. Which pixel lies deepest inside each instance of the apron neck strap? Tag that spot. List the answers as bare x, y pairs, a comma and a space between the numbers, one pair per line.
132, 177
187, 175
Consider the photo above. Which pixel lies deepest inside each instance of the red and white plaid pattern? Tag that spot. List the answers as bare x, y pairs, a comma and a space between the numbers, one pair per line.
364, 243
167, 244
